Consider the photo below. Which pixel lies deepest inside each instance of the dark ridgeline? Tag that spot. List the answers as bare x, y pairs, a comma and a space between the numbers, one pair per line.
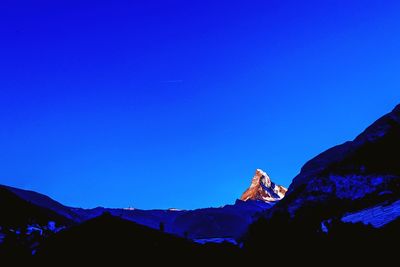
17, 212
347, 178
358, 173
306, 227
298, 241
109, 238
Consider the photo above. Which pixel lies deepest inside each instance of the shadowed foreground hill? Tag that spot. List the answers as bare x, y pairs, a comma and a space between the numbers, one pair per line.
17, 212
297, 242
109, 238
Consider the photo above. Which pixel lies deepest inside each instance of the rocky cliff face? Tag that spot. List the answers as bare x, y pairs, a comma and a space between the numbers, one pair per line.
367, 167
262, 188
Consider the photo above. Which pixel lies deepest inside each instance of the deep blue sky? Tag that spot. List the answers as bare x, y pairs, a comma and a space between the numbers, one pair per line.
159, 105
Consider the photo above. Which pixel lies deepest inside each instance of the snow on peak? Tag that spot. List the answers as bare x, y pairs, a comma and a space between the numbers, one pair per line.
262, 188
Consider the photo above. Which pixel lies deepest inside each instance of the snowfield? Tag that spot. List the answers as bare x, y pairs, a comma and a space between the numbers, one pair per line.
376, 216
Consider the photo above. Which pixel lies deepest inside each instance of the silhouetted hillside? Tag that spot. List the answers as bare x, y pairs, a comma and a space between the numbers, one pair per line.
109, 238
16, 212
350, 176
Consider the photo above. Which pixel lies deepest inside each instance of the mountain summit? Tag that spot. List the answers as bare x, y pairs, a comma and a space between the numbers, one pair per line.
262, 188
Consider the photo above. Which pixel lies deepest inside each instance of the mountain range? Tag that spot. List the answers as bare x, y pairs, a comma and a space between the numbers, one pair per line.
229, 222
343, 200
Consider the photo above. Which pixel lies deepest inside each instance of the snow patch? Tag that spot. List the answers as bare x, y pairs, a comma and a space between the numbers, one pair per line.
217, 240
377, 216
324, 227
376, 181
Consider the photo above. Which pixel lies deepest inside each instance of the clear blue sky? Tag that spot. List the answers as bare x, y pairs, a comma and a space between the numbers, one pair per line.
176, 103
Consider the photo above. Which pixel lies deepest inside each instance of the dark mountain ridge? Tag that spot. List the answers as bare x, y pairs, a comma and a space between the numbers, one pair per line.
363, 171
343, 206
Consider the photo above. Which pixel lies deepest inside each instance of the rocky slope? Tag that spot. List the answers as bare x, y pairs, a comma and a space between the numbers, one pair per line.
376, 216
353, 175
262, 188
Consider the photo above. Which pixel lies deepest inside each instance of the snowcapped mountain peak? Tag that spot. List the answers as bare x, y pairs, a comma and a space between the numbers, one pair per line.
261, 172
262, 188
